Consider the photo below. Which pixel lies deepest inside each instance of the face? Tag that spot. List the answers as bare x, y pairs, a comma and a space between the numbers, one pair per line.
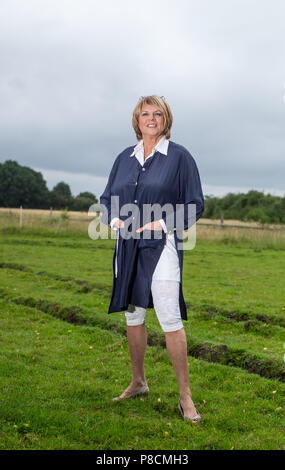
150, 121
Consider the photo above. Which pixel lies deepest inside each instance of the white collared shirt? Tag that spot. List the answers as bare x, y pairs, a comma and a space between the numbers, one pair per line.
161, 146
167, 267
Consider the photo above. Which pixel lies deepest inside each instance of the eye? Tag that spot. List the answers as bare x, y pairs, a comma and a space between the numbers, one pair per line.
158, 113
144, 113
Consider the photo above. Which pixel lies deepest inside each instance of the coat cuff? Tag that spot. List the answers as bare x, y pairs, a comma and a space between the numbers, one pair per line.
113, 221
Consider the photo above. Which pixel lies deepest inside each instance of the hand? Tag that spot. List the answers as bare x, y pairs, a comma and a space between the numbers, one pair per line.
156, 225
119, 224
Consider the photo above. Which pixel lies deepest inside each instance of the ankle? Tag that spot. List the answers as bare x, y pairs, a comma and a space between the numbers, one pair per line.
185, 395
138, 383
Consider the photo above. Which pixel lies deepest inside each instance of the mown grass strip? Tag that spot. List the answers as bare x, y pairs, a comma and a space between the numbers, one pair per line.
211, 311
88, 245
250, 327
205, 310
269, 368
85, 285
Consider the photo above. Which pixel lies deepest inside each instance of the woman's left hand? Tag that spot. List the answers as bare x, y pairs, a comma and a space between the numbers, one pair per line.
156, 225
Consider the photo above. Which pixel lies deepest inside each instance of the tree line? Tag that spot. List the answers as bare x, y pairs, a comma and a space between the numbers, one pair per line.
251, 206
23, 186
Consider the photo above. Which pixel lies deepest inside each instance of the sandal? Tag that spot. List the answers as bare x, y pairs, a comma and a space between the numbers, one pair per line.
195, 418
140, 391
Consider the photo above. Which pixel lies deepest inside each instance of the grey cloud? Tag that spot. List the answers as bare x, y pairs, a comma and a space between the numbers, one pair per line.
71, 73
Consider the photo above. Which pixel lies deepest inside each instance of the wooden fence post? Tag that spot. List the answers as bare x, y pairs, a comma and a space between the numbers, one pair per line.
222, 219
21, 217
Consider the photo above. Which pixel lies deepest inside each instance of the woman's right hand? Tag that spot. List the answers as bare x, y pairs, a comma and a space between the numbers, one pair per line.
119, 224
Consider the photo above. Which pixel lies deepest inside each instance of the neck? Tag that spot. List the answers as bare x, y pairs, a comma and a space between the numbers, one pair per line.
149, 142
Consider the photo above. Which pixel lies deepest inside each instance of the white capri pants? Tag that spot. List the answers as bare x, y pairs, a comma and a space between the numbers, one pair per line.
165, 296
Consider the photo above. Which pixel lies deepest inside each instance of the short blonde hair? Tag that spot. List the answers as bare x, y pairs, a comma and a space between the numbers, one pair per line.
162, 105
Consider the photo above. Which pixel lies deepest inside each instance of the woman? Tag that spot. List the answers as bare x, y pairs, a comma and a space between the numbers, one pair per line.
147, 263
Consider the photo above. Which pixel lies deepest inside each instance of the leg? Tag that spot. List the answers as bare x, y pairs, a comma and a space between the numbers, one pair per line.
176, 344
166, 304
137, 340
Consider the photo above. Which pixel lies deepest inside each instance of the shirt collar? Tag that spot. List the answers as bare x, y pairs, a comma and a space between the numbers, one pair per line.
161, 146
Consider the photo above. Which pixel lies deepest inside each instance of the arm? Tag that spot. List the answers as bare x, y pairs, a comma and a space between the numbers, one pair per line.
190, 192
109, 202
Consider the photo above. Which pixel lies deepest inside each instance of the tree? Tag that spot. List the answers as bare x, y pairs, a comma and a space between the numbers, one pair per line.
254, 205
61, 196
88, 195
210, 206
82, 203
22, 186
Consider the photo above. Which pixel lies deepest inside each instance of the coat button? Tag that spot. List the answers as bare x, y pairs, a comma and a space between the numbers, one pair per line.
143, 169
136, 182
136, 200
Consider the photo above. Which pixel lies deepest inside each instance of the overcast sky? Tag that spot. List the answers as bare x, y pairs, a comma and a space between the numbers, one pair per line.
71, 72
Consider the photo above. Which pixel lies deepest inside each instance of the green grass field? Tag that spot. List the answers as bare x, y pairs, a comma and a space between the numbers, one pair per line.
63, 358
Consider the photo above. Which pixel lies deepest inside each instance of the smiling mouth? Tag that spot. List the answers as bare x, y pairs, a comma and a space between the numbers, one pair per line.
151, 125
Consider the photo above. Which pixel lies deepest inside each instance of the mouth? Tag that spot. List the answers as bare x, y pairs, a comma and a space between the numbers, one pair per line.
151, 125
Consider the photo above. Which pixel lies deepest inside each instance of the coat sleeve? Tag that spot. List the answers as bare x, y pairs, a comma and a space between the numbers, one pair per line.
190, 192
109, 202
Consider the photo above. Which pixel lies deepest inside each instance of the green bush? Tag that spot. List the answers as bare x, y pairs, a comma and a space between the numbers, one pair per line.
254, 205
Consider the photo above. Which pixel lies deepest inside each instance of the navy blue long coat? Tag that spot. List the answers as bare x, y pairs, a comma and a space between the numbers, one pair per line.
163, 179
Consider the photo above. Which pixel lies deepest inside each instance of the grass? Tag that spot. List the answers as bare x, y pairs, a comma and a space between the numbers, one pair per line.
74, 223
57, 381
63, 358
